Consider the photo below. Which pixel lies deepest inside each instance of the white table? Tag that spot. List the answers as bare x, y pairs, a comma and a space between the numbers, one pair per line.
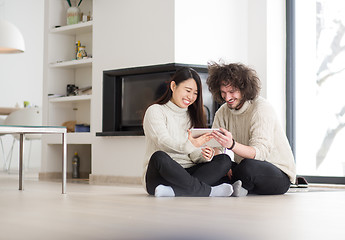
22, 130
7, 110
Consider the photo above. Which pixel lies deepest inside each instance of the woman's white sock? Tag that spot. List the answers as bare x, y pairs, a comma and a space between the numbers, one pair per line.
222, 190
239, 191
164, 191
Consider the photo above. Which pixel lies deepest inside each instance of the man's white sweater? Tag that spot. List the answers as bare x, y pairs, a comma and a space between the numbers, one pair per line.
256, 125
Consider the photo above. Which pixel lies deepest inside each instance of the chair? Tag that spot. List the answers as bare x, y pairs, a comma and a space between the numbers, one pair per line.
24, 117
2, 121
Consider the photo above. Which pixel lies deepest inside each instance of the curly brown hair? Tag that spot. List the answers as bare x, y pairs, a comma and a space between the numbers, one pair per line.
237, 75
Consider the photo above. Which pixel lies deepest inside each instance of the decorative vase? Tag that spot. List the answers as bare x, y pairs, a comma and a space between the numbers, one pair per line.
73, 15
81, 53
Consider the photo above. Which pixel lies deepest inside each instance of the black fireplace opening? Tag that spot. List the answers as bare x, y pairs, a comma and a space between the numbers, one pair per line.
128, 92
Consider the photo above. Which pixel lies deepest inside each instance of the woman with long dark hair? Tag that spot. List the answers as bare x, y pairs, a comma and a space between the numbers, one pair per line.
176, 163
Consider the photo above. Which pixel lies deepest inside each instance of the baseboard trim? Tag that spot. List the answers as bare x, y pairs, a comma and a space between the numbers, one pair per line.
58, 175
111, 180
49, 175
93, 178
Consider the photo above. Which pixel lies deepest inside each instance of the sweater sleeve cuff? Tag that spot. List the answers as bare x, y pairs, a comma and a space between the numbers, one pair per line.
196, 156
257, 154
189, 147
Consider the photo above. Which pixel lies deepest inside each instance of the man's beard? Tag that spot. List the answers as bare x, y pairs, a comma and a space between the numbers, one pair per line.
236, 107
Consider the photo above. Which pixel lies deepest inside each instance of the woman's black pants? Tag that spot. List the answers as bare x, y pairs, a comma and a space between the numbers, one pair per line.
195, 181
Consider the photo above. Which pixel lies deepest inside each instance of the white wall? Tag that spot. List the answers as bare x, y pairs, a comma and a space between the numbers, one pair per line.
211, 30
127, 33
276, 57
21, 75
266, 50
247, 31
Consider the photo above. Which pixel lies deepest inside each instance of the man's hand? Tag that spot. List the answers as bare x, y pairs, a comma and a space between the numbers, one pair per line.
224, 137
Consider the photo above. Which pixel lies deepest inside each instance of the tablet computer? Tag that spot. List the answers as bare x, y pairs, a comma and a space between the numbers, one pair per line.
197, 132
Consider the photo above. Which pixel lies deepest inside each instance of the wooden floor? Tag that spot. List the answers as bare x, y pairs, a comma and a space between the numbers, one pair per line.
127, 212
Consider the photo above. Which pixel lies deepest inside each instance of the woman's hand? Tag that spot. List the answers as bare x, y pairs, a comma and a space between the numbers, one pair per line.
199, 141
224, 137
208, 153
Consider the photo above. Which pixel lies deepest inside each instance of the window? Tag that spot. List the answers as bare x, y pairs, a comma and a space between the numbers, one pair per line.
316, 84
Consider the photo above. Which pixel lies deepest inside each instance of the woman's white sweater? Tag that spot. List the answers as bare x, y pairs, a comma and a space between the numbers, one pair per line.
256, 125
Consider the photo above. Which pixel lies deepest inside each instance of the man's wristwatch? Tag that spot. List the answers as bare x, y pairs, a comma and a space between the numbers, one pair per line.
233, 145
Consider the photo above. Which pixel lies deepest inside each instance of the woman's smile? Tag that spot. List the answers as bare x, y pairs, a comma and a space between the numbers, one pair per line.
185, 93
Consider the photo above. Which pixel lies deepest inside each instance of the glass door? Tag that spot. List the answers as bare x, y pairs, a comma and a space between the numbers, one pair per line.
320, 89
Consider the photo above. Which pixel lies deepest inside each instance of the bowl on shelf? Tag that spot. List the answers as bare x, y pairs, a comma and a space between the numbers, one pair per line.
82, 128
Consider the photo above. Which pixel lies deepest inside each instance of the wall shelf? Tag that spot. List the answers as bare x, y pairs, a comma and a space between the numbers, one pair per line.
70, 99
60, 70
72, 138
73, 63
75, 29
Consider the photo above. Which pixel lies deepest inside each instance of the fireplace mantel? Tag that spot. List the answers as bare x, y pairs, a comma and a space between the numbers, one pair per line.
118, 84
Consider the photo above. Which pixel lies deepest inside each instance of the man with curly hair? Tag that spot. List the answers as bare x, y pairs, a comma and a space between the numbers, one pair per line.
263, 162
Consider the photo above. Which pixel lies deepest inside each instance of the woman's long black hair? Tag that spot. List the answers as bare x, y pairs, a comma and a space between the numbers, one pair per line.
196, 110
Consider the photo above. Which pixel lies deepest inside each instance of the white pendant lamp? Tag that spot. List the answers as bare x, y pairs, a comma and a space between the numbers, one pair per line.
11, 39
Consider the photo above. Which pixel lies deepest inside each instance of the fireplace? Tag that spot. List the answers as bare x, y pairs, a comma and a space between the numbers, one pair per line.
128, 92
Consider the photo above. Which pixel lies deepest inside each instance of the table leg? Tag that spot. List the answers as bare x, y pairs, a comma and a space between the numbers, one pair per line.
64, 163
21, 159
